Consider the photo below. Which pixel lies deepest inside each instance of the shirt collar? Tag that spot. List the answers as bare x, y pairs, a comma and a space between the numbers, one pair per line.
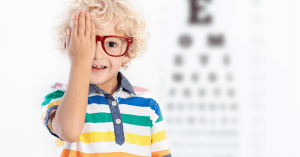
124, 83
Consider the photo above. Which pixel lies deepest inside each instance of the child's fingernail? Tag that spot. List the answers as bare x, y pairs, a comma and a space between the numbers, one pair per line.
87, 14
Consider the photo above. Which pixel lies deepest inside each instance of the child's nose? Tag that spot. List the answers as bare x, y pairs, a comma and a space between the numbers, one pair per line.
99, 50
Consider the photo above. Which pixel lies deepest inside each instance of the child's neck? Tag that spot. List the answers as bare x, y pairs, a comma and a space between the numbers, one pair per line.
110, 87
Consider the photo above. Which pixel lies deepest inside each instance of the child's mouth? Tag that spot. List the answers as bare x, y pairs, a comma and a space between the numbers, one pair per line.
98, 69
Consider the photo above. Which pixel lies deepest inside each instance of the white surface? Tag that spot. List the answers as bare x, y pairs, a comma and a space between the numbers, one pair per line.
29, 63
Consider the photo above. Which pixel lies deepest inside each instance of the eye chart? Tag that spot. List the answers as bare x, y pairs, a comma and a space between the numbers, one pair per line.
223, 66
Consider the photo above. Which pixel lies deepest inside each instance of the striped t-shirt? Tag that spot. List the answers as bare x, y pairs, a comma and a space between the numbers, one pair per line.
128, 123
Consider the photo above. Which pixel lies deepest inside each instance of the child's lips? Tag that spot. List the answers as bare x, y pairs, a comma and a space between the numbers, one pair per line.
98, 70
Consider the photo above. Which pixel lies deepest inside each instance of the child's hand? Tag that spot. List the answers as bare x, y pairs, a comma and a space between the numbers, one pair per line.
80, 43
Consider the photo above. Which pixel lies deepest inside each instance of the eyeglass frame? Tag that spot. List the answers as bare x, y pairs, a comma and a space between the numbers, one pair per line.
102, 38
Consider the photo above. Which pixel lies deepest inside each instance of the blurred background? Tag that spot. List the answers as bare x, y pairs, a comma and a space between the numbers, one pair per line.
226, 74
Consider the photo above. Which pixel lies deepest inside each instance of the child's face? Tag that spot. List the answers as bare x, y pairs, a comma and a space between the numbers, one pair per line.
109, 75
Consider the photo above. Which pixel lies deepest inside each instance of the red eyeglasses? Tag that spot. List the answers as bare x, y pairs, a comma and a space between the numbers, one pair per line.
115, 46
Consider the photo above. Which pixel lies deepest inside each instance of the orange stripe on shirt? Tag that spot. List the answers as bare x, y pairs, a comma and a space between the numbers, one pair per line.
73, 153
161, 153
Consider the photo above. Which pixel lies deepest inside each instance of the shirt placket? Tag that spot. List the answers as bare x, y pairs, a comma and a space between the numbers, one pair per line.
117, 119
115, 96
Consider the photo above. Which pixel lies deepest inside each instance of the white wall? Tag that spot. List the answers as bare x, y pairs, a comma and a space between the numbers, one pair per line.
29, 63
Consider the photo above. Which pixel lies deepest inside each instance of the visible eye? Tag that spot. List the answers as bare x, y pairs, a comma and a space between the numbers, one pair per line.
111, 44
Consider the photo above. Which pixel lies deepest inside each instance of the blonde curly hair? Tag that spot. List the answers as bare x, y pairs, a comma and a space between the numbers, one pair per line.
102, 12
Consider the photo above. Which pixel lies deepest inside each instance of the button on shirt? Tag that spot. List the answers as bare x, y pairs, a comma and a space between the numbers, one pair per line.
127, 123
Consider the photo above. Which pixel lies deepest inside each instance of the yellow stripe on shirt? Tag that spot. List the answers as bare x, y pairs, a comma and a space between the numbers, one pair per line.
159, 136
110, 136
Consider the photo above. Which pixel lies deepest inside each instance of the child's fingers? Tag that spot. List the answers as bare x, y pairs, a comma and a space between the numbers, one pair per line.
87, 24
93, 32
81, 27
75, 25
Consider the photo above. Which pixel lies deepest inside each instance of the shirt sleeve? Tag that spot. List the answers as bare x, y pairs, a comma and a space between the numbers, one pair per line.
159, 143
52, 98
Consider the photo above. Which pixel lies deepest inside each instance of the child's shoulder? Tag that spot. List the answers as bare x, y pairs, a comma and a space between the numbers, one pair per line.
144, 92
55, 89
56, 86
139, 89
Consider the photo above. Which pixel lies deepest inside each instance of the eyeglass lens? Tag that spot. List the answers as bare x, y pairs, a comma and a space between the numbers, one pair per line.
115, 45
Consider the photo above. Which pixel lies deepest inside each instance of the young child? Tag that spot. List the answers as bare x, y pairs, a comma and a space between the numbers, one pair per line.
99, 112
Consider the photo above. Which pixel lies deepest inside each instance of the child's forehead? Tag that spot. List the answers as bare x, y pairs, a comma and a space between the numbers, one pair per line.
109, 29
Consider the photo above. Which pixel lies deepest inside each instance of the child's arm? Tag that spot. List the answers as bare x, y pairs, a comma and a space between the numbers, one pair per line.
70, 114
69, 118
